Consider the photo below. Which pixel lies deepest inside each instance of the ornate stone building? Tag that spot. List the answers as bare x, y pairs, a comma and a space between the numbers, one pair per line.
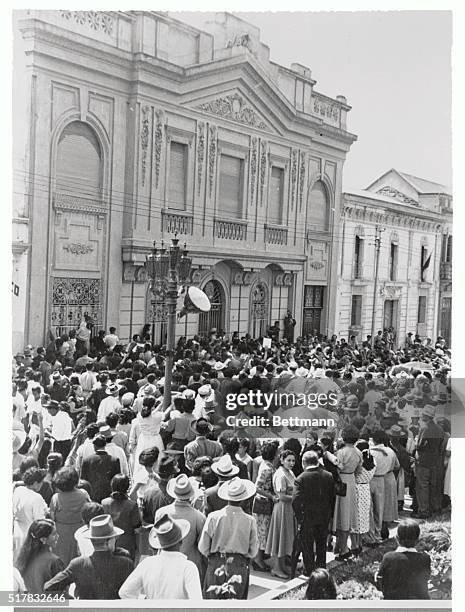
414, 221
134, 126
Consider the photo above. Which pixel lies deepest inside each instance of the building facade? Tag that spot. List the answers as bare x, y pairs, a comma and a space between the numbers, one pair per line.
413, 219
134, 126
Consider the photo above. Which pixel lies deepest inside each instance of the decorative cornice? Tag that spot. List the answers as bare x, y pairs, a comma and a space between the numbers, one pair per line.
363, 213
200, 153
234, 107
63, 201
326, 108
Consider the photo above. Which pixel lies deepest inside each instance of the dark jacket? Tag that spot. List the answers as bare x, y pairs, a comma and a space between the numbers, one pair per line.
313, 497
405, 575
98, 470
99, 576
429, 445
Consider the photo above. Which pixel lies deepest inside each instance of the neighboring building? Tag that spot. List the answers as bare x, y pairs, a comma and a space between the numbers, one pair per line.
135, 125
414, 220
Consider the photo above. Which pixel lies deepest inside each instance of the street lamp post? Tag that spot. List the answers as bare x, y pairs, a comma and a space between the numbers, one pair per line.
166, 269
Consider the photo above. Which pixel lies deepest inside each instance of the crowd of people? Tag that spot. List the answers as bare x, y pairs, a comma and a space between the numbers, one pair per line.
119, 493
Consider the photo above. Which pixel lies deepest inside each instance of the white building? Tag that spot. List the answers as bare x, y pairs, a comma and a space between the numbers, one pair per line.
413, 218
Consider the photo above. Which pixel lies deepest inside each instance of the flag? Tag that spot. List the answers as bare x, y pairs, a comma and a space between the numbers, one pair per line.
425, 264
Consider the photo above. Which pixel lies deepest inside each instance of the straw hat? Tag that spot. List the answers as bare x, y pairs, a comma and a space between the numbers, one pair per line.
188, 394
180, 487
148, 390
101, 528
167, 532
224, 467
395, 431
204, 390
429, 411
237, 489
112, 390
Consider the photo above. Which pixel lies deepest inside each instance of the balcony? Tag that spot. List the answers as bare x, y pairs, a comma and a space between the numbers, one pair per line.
445, 271
230, 230
275, 234
180, 223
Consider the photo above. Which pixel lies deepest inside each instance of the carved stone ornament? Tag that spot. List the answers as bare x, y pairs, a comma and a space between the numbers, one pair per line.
77, 248
398, 195
234, 107
212, 147
97, 20
238, 278
279, 279
248, 277
253, 167
390, 292
316, 265
144, 140
240, 40
158, 142
263, 158
293, 174
302, 177
287, 279
200, 153
196, 277
326, 109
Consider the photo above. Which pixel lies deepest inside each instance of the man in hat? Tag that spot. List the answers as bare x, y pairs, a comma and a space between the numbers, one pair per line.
224, 470
204, 402
428, 464
99, 469
100, 575
156, 495
182, 491
168, 575
201, 446
110, 404
229, 538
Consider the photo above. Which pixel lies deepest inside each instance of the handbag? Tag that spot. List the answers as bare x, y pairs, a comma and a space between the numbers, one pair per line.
340, 488
262, 505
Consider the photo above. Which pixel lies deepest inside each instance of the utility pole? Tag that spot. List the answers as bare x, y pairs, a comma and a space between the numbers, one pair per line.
375, 286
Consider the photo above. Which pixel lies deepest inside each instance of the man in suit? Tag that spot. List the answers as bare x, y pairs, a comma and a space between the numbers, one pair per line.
99, 469
312, 501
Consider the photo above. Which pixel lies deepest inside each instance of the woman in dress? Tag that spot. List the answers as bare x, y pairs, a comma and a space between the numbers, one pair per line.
65, 509
349, 461
124, 512
36, 562
265, 498
280, 539
362, 497
145, 431
28, 505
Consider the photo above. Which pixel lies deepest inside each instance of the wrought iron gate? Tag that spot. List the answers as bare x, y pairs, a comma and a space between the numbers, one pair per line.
72, 298
215, 317
259, 310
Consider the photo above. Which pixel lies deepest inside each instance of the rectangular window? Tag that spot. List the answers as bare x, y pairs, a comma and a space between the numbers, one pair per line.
231, 186
358, 257
393, 262
178, 176
275, 202
422, 309
356, 312
449, 249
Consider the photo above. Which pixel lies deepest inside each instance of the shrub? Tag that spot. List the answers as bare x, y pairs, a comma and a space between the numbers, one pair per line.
435, 536
351, 589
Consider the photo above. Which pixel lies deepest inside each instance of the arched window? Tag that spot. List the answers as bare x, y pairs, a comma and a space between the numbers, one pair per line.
79, 161
318, 209
214, 319
259, 304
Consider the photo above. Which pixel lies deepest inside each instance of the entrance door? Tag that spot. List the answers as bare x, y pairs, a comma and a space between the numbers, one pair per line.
214, 319
72, 298
313, 306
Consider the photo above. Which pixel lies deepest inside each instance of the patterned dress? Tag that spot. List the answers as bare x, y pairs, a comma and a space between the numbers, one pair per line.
363, 500
264, 482
349, 461
280, 539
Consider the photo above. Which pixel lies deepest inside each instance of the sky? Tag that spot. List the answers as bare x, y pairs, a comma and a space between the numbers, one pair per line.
394, 68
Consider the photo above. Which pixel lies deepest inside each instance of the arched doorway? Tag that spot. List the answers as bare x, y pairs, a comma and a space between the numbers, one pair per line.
215, 317
259, 313
78, 238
